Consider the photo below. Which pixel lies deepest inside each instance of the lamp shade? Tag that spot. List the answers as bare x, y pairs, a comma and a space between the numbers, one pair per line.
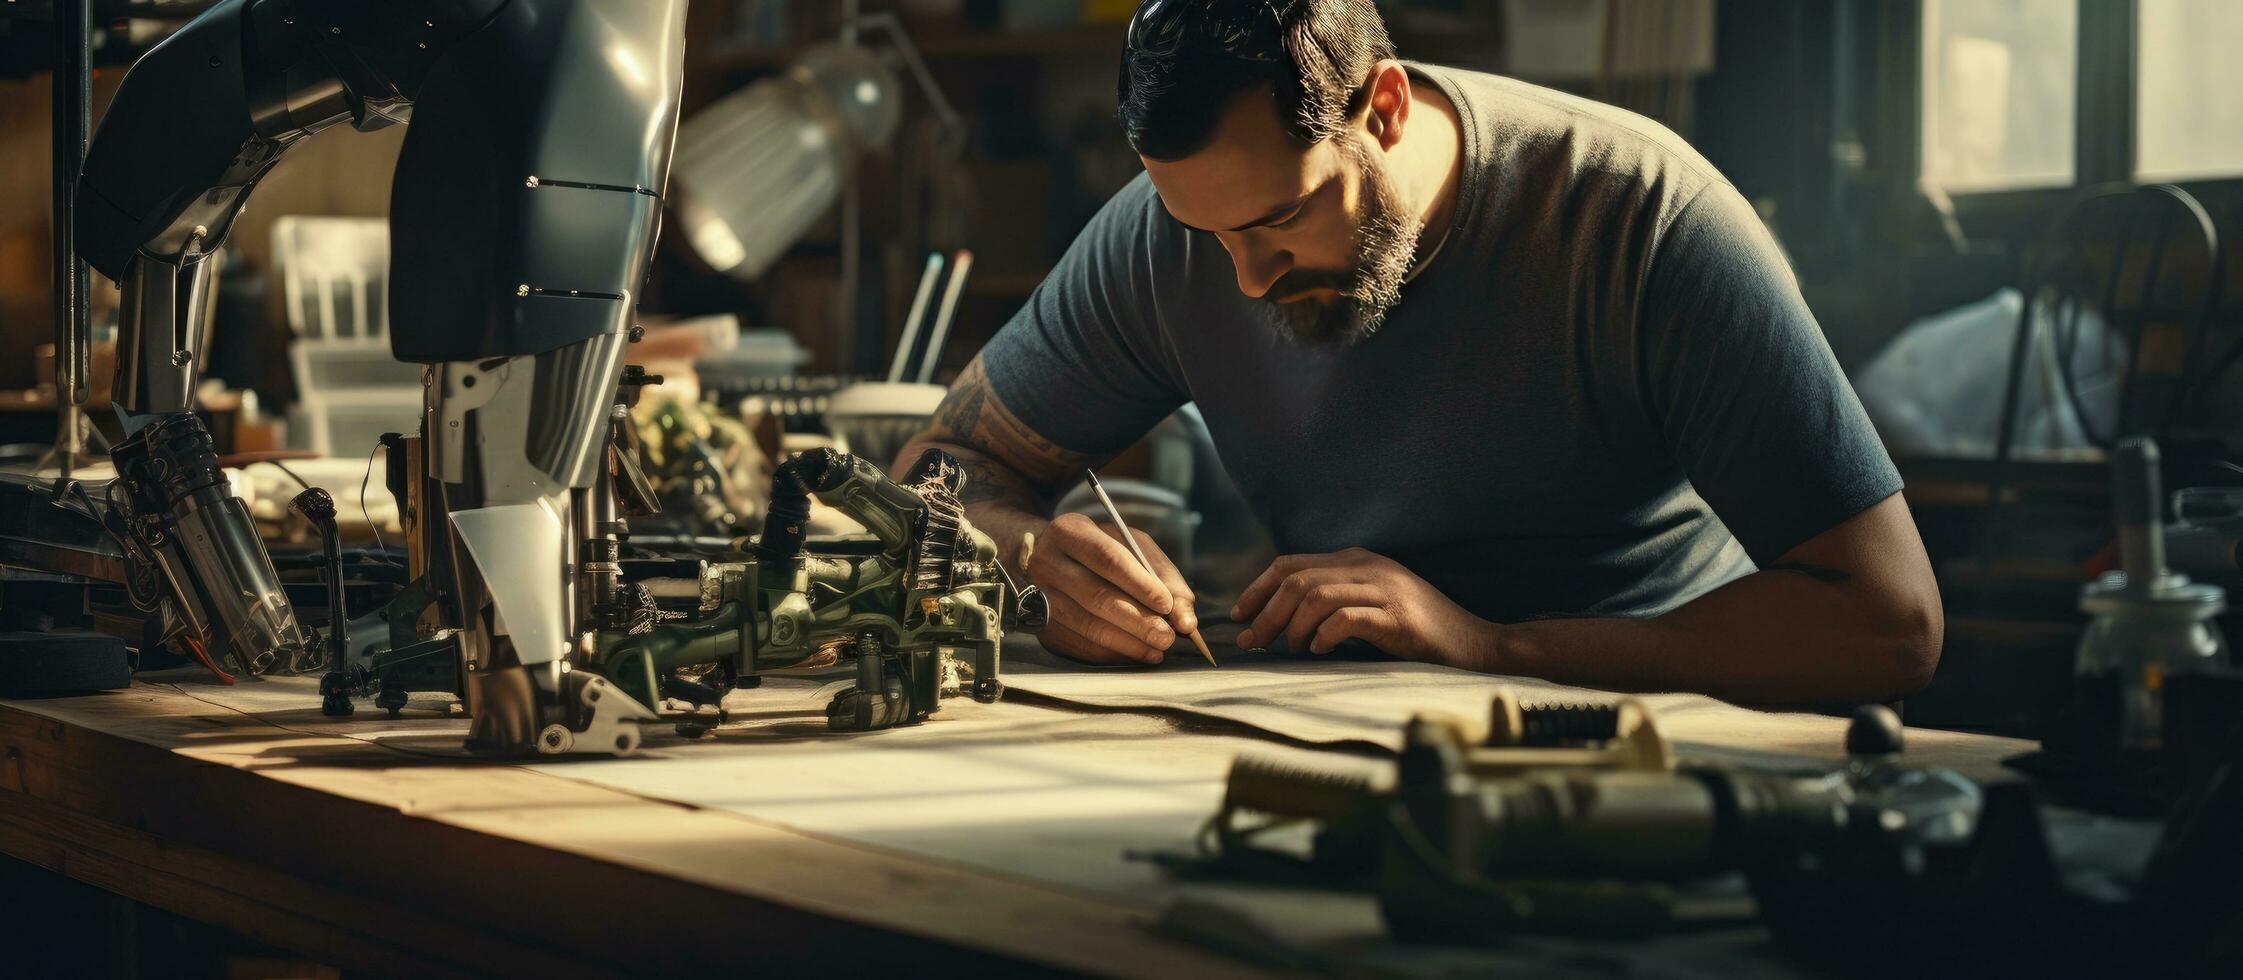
754, 170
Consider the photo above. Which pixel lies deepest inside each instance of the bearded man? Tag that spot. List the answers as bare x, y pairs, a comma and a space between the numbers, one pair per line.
1517, 382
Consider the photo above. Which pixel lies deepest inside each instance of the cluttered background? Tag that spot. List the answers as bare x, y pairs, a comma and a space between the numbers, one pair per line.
2013, 218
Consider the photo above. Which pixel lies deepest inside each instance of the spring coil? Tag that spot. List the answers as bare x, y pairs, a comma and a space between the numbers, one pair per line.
1559, 725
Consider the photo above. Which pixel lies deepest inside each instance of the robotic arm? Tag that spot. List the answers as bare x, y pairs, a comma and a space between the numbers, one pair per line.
523, 214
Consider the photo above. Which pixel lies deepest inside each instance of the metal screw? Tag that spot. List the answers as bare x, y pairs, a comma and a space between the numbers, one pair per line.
533, 180
180, 358
522, 290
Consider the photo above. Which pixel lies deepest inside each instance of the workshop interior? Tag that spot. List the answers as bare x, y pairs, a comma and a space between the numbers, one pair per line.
510, 487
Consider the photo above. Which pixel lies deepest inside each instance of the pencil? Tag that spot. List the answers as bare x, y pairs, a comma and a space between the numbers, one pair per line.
1131, 540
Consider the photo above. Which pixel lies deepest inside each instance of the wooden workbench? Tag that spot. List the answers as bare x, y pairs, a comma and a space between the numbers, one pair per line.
992, 835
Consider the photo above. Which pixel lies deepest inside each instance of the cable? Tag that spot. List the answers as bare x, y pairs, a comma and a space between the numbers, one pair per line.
283, 467
362, 512
203, 657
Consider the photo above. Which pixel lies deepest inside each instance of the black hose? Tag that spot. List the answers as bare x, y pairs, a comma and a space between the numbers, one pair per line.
789, 515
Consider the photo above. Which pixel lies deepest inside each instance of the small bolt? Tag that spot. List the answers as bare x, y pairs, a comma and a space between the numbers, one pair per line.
334, 30
180, 358
522, 290
216, 61
533, 180
553, 738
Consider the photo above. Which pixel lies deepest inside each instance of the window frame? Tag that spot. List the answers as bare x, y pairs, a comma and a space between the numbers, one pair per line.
2103, 123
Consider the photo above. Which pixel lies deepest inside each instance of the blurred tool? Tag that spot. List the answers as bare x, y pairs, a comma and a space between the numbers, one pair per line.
960, 265
1544, 822
875, 419
73, 332
318, 508
1130, 539
1554, 818
2150, 624
2207, 543
910, 338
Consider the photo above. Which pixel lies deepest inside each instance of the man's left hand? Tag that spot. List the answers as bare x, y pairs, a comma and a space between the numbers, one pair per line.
1316, 601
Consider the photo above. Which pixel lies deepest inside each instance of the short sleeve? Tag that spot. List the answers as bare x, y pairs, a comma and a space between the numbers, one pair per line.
1086, 363
1743, 385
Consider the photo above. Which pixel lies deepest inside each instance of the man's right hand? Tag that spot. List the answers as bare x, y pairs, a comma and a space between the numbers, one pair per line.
1105, 608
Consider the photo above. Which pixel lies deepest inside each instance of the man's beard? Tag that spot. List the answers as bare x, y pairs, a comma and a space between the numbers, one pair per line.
1386, 236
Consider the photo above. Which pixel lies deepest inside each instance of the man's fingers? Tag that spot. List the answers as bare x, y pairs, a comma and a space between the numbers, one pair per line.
1109, 559
1371, 624
1265, 585
1061, 575
1185, 617
1277, 613
1097, 635
1060, 639
1321, 602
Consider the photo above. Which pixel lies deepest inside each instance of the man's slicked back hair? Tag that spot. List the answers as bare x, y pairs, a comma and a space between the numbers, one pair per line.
1311, 55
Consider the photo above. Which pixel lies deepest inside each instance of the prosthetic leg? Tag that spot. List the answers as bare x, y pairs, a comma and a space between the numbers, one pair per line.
512, 440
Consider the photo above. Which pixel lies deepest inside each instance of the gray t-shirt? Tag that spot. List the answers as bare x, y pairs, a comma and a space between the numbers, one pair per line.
1604, 396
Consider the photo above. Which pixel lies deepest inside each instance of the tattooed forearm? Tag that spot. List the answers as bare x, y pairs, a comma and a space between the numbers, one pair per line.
1008, 465
987, 482
960, 412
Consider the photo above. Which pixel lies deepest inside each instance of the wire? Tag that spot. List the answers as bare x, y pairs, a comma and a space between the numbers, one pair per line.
202, 656
363, 479
283, 467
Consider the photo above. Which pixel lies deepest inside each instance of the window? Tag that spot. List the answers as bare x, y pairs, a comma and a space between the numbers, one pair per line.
2188, 100
1999, 93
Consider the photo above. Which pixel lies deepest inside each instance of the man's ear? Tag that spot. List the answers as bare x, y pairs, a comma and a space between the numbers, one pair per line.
1387, 111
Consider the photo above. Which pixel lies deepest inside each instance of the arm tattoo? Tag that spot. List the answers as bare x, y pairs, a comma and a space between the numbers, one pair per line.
960, 411
988, 482
1012, 464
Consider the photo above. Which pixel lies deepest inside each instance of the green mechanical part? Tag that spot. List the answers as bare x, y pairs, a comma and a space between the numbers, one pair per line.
637, 663
923, 584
